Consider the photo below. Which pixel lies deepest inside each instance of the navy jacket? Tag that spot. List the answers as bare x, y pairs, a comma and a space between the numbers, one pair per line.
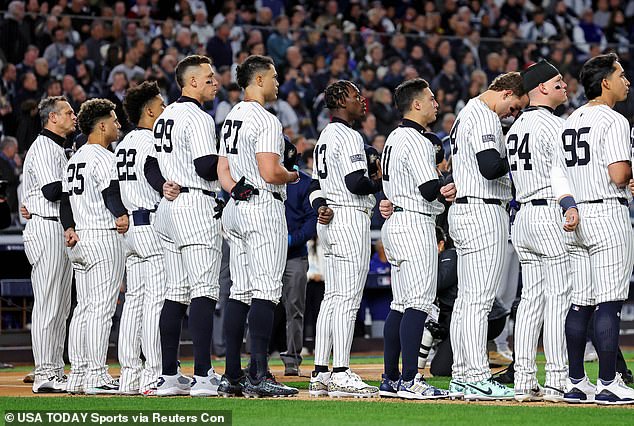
301, 219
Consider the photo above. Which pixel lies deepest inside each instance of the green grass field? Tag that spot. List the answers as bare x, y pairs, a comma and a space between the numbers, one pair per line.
353, 412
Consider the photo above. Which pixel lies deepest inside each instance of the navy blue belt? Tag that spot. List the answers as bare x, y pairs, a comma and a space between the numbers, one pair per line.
465, 200
276, 195
204, 191
141, 217
51, 218
621, 200
401, 209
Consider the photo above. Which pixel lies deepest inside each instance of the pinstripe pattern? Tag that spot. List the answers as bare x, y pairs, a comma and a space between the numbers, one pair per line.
608, 139
51, 272
257, 236
339, 152
346, 244
476, 129
131, 154
248, 130
410, 160
539, 240
192, 135
480, 232
51, 278
99, 264
542, 131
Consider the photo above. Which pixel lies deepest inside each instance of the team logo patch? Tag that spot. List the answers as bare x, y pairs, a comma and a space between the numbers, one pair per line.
357, 157
488, 138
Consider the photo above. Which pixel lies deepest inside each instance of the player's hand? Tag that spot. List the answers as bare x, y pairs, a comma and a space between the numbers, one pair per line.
220, 205
122, 223
70, 237
242, 191
630, 185
324, 215
449, 192
572, 219
294, 176
171, 190
24, 212
386, 208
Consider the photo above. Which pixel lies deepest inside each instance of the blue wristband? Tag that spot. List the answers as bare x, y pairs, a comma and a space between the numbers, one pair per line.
568, 202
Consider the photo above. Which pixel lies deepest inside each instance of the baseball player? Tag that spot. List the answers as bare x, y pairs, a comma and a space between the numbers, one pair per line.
185, 143
141, 188
597, 151
51, 272
93, 216
478, 224
538, 236
342, 184
412, 183
252, 149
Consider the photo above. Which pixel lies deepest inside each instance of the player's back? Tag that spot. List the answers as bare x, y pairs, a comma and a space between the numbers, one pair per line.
477, 128
339, 152
88, 173
409, 160
182, 133
250, 129
132, 153
592, 138
530, 144
44, 163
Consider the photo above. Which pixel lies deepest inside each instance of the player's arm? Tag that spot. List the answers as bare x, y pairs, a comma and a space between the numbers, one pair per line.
354, 161
619, 153
267, 154
67, 220
308, 219
224, 174
112, 200
317, 200
491, 163
421, 163
153, 174
559, 182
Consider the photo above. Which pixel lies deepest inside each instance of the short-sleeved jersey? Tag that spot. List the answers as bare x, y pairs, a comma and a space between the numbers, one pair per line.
88, 173
182, 133
250, 129
45, 163
530, 143
408, 161
476, 129
132, 153
339, 152
592, 138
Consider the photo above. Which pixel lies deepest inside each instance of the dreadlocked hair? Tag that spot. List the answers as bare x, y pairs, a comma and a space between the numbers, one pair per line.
336, 93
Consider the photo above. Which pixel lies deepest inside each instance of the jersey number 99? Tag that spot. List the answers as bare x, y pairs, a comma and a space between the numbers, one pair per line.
163, 135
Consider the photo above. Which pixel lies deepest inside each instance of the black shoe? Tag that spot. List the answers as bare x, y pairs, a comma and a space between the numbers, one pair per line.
506, 376
291, 364
267, 387
627, 377
228, 387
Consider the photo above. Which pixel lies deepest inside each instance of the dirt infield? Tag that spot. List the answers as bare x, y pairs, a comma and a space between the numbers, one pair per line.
11, 384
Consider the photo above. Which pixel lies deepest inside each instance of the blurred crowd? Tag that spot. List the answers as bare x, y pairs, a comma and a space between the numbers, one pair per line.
94, 48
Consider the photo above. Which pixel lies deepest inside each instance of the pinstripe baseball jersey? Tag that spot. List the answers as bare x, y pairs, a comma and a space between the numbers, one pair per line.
530, 146
477, 128
131, 153
248, 130
185, 121
408, 161
339, 152
88, 173
44, 163
593, 137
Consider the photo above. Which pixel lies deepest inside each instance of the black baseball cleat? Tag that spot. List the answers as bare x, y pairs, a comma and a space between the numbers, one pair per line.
229, 387
268, 387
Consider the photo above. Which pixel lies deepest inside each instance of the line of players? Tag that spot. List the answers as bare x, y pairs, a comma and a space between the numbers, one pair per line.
167, 174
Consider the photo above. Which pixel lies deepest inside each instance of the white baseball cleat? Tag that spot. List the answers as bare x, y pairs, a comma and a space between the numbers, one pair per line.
205, 386
318, 385
614, 393
349, 385
173, 385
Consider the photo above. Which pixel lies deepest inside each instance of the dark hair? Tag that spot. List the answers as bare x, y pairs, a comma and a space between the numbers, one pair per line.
407, 91
594, 71
252, 65
335, 94
137, 98
510, 81
184, 64
91, 112
49, 105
